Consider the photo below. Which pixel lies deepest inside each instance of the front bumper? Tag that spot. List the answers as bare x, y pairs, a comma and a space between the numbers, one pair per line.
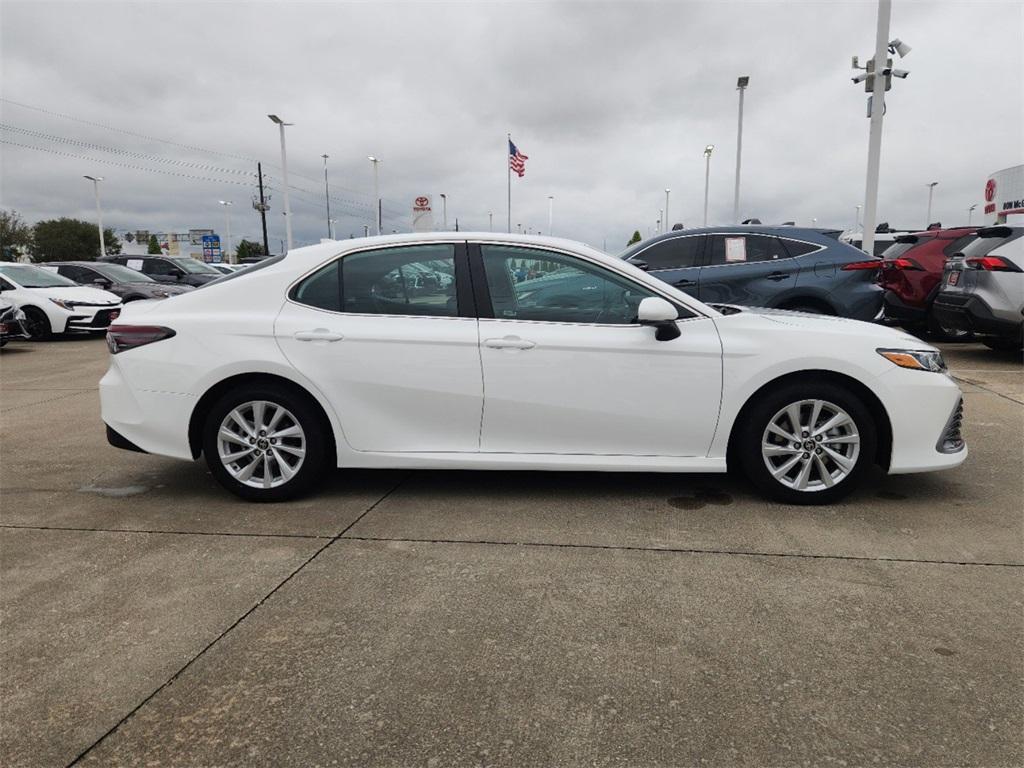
100, 320
968, 312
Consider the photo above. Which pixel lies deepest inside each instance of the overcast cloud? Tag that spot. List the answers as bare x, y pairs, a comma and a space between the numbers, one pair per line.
612, 102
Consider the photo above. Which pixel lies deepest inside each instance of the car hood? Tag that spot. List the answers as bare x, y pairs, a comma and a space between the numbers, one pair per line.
151, 289
827, 325
79, 293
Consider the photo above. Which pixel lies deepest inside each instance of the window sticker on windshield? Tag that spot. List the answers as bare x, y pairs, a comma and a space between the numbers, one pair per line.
735, 249
135, 264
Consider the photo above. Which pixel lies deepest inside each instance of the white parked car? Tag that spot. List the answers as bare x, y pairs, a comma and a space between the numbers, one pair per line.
429, 351
53, 304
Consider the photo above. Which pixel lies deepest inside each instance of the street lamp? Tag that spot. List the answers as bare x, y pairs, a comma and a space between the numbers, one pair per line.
490, 221
931, 188
99, 212
444, 211
970, 213
376, 190
877, 79
741, 86
284, 180
666, 209
227, 218
551, 215
856, 218
327, 195
707, 178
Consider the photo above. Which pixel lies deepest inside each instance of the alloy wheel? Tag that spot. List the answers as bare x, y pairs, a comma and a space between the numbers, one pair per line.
811, 445
261, 444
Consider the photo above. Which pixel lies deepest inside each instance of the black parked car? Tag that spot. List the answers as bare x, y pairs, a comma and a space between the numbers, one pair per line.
129, 284
784, 267
180, 270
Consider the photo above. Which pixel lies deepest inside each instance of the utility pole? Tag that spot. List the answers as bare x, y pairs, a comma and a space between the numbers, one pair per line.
327, 194
262, 207
707, 178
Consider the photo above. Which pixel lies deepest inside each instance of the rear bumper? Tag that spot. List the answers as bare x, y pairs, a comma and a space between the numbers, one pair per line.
968, 312
897, 309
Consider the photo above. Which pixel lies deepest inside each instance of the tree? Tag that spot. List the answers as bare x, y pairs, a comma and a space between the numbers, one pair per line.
67, 239
14, 234
154, 246
635, 238
248, 249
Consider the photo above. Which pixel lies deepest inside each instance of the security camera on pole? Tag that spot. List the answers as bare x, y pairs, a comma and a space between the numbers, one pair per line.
877, 86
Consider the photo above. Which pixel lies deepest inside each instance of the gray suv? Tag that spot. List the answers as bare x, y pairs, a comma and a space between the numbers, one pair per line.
983, 288
807, 270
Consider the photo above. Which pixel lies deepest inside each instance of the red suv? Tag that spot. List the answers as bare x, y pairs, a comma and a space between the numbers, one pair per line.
911, 275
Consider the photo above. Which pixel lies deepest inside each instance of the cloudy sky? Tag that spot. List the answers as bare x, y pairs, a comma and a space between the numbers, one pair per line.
612, 102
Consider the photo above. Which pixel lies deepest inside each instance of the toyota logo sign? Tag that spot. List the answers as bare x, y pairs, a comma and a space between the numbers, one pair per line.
422, 202
990, 190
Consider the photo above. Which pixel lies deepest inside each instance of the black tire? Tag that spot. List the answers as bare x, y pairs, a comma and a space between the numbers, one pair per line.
750, 435
316, 435
37, 324
939, 333
1002, 344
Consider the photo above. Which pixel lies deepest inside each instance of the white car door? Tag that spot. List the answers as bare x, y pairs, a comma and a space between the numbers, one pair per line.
381, 334
568, 371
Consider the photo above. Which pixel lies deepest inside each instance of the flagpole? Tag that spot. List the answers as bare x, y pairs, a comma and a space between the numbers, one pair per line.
508, 169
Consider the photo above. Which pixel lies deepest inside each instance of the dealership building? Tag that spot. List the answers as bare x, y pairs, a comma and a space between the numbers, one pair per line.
1004, 195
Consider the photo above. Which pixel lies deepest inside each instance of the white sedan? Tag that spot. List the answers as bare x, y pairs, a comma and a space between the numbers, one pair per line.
53, 304
509, 352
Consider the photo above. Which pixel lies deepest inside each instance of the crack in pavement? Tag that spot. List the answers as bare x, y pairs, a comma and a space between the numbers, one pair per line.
979, 385
234, 624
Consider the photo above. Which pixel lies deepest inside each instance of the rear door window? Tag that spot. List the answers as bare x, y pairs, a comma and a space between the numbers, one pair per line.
798, 247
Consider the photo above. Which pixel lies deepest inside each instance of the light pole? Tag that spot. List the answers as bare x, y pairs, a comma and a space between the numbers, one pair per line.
330, 227
551, 215
666, 209
856, 218
877, 78
99, 211
284, 180
661, 221
931, 188
490, 221
970, 213
707, 178
376, 191
444, 211
327, 196
741, 86
227, 219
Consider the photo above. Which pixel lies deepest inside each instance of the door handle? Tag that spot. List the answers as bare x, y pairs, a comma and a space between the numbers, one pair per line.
776, 276
509, 342
684, 283
318, 334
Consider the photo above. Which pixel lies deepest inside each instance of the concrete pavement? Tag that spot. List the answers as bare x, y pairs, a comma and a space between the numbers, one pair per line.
416, 618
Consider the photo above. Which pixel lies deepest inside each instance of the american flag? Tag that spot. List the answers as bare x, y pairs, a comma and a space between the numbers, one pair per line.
516, 160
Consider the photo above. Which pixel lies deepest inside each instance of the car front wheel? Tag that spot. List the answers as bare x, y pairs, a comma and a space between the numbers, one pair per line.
808, 443
265, 443
37, 324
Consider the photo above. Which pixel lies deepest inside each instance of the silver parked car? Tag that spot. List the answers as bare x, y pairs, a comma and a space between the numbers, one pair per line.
983, 288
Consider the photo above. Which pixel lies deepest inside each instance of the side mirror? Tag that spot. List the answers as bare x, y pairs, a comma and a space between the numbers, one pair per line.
640, 264
660, 314
177, 274
101, 282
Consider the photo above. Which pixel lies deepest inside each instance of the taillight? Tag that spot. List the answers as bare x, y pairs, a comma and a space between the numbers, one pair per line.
993, 264
124, 337
873, 264
903, 263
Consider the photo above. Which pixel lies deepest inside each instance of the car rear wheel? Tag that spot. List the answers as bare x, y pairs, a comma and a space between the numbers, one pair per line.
941, 333
1002, 344
807, 443
265, 443
37, 324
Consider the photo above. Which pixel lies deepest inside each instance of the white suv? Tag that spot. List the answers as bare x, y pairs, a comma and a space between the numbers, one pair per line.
53, 304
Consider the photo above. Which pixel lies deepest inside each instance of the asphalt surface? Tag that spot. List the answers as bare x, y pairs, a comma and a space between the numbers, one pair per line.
455, 618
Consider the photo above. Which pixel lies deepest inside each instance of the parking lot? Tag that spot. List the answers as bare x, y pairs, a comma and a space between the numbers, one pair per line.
429, 618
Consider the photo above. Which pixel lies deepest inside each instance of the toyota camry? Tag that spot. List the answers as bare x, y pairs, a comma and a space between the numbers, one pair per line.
497, 351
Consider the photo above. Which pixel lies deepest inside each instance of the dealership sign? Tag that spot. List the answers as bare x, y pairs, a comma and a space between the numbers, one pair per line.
422, 214
1004, 194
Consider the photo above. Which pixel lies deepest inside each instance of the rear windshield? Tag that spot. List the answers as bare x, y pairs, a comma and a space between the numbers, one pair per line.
896, 250
986, 245
121, 274
248, 270
195, 266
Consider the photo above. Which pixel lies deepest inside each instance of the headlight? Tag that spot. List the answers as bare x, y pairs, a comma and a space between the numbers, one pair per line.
65, 304
915, 359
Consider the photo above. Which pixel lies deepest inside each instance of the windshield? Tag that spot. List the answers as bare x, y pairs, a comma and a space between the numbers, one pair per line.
896, 250
195, 267
29, 276
120, 274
